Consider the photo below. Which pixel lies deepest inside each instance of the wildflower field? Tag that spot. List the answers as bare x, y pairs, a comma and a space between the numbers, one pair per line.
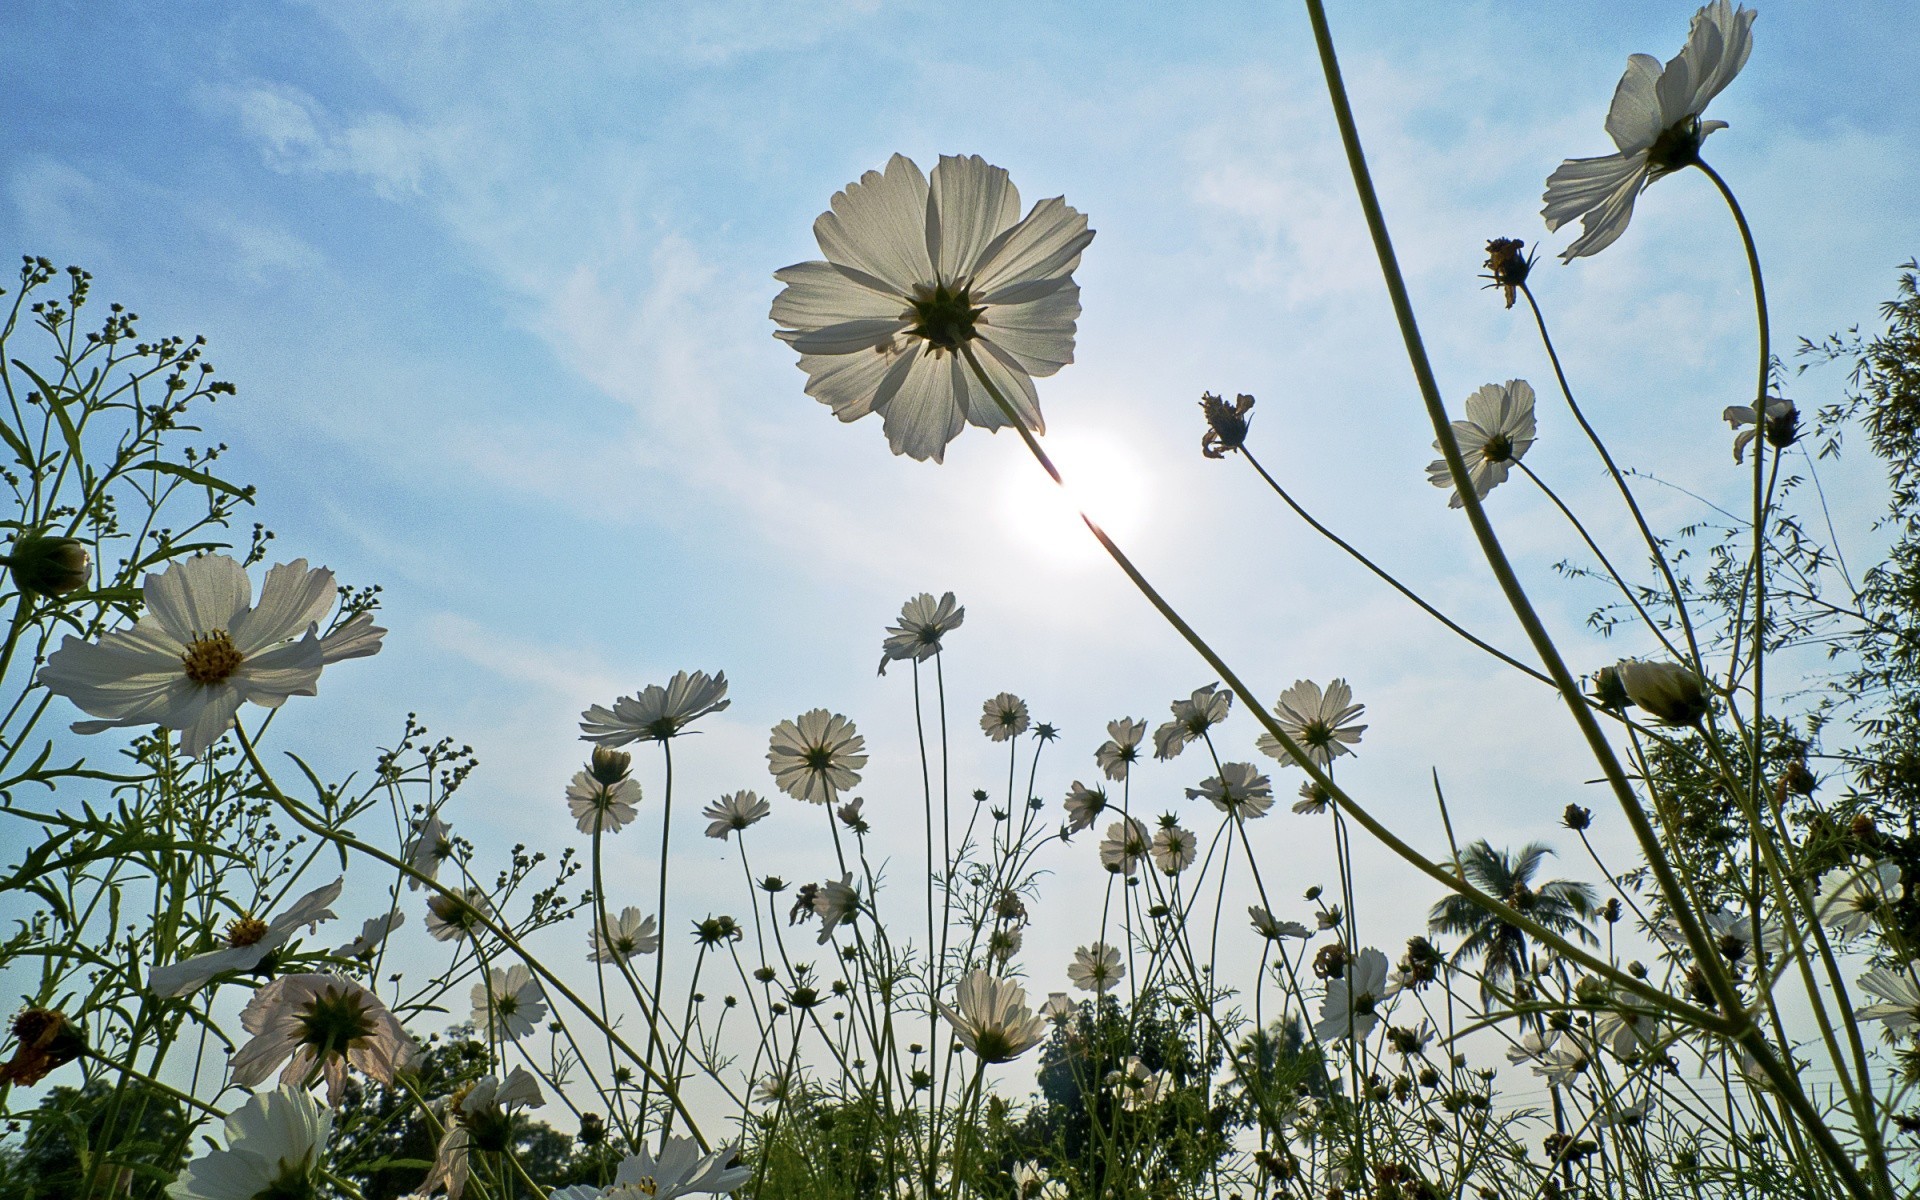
986, 955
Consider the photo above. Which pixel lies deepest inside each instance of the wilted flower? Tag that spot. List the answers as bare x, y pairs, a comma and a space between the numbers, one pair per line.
923, 622
734, 812
374, 932
1174, 850
1498, 430
1122, 747
625, 936
1226, 424
1320, 723
1126, 843
49, 565
1350, 1007
1783, 425
1508, 265
1238, 790
920, 272
249, 941
1655, 121
991, 1018
432, 845
1608, 692
1003, 717
274, 1149
203, 649
1096, 968
1192, 718
456, 915
321, 1019
837, 901
815, 756
655, 713
850, 815
509, 1003
599, 806
1083, 805
44, 1040
1669, 691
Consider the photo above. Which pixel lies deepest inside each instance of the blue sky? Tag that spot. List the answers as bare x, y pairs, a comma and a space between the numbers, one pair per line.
492, 279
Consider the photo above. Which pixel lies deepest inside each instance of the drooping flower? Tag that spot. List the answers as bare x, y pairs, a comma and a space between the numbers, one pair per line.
1655, 122
837, 901
1272, 928
625, 936
204, 649
1350, 1008
374, 932
852, 815
249, 941
991, 1018
509, 1004
274, 1149
1083, 805
923, 622
598, 806
1174, 849
321, 1019
1238, 790
1320, 723
1508, 265
655, 713
1782, 428
1497, 432
1226, 424
1096, 968
478, 1116
1003, 717
733, 812
1121, 749
44, 1040
1126, 843
1901, 999
1192, 718
816, 755
450, 917
432, 845
1669, 691
920, 272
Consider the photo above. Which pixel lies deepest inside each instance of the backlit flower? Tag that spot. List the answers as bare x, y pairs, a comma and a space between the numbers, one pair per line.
1192, 718
1096, 968
1237, 790
1272, 928
1003, 717
324, 1020
1655, 122
816, 755
432, 845
681, 1169
454, 916
1083, 805
374, 932
1851, 897
1783, 425
1498, 430
204, 648
248, 942
1667, 690
1320, 723
509, 1004
1901, 999
1122, 747
624, 936
918, 271
477, 1117
1174, 850
1350, 1008
274, 1149
1126, 843
599, 806
923, 622
991, 1018
655, 713
837, 901
733, 812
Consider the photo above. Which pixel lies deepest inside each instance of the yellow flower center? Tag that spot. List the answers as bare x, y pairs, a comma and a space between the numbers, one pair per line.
211, 658
246, 931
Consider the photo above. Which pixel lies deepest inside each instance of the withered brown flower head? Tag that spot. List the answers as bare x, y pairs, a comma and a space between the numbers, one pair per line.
1507, 265
46, 1040
1226, 423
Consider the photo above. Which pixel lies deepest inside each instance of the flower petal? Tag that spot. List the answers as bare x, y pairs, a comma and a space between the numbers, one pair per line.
970, 203
922, 404
292, 669
846, 382
819, 294
848, 337
202, 717
878, 225
1039, 333
1600, 191
1635, 118
1045, 245
198, 595
1012, 382
292, 598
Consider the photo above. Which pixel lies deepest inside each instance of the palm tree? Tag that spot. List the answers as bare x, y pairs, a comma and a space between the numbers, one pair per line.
1561, 905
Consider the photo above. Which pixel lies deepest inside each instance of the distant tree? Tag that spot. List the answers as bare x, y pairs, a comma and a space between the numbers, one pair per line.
1561, 906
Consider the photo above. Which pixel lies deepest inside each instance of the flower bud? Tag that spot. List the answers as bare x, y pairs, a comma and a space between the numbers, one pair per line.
1669, 691
609, 766
1507, 265
50, 566
1576, 818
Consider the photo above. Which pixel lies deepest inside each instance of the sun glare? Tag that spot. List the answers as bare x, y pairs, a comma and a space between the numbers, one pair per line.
1102, 476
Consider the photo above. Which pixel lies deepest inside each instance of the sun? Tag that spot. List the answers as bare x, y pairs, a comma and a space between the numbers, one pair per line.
1103, 477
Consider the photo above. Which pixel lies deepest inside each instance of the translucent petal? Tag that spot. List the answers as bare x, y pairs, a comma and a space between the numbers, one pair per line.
924, 413
878, 225
1046, 244
198, 595
848, 337
291, 599
1012, 382
1634, 120
819, 294
846, 382
971, 203
1038, 334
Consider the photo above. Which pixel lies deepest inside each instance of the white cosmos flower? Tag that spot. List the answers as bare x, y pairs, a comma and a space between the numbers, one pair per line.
204, 648
1192, 718
320, 1019
733, 812
626, 935
275, 1144
1126, 843
923, 622
1555, 1059
1238, 790
1626, 1032
656, 713
1901, 1007
477, 1115
600, 806
1059, 1006
450, 917
915, 271
1350, 1007
1273, 928
249, 940
991, 1018
1498, 430
1096, 968
1122, 747
1313, 798
509, 1003
681, 1169
837, 901
1783, 418
816, 755
374, 932
1655, 122
432, 845
1083, 805
1174, 850
1850, 897
1003, 717
1320, 723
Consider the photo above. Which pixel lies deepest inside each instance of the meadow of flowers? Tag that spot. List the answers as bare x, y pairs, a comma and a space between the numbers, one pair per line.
1730, 1011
